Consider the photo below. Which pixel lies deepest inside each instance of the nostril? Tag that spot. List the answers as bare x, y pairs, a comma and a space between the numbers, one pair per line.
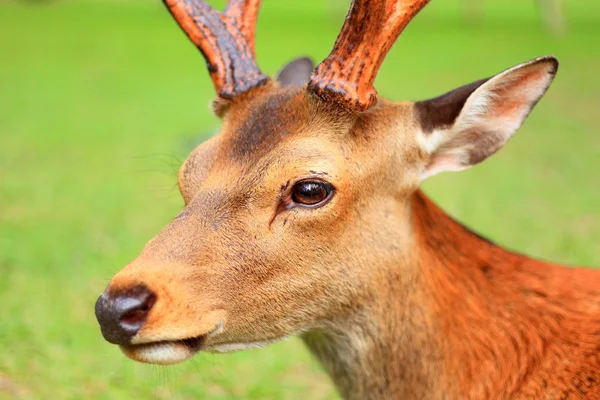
122, 314
135, 315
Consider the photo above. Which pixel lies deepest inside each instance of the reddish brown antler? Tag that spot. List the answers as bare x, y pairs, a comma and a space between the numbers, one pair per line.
225, 39
371, 28
245, 14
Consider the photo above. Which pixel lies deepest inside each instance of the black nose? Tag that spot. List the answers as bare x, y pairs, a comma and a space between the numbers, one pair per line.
121, 315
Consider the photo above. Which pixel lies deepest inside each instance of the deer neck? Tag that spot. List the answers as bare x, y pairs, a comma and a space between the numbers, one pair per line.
438, 318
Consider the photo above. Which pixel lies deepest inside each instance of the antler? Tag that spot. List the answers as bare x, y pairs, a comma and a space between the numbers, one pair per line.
225, 39
371, 28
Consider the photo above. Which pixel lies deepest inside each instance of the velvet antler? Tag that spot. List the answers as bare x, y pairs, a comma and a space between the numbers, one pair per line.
225, 39
371, 28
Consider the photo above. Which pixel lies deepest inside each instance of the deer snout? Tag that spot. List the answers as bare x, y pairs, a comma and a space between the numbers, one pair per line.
121, 315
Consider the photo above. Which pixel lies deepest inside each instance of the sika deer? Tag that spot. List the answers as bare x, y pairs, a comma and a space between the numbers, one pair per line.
304, 217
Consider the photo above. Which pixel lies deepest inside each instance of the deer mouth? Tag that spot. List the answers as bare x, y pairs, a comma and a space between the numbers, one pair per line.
165, 352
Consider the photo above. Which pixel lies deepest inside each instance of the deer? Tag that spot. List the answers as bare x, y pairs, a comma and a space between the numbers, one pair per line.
304, 217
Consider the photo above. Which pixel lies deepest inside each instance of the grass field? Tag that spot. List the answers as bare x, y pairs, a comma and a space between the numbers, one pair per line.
101, 100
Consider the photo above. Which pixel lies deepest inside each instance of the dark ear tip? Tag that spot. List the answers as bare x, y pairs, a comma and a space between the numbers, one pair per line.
552, 61
306, 60
555, 64
296, 72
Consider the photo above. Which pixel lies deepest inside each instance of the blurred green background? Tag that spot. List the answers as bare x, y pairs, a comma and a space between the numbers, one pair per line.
100, 101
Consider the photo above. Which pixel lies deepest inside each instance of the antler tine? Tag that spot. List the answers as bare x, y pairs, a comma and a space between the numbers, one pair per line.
225, 39
245, 14
372, 26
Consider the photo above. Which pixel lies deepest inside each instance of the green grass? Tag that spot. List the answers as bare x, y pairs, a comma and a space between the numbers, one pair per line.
101, 100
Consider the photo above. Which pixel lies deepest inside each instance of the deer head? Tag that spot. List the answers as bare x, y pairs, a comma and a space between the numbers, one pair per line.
295, 208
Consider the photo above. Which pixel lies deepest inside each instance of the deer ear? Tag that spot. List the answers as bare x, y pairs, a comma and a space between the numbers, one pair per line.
469, 124
296, 72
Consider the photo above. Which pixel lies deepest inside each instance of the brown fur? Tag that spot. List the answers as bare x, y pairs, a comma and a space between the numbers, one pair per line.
395, 298
519, 328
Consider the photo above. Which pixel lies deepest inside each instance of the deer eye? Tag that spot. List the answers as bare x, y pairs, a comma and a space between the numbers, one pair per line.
311, 193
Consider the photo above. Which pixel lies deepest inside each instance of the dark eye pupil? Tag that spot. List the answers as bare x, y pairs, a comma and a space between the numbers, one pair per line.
310, 193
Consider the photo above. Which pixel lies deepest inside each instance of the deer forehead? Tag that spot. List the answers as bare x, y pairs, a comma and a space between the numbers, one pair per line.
287, 133
255, 128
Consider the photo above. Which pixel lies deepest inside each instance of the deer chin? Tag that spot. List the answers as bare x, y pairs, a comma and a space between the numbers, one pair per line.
233, 346
239, 346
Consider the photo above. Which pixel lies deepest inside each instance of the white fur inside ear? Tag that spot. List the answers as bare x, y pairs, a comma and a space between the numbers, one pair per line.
489, 118
431, 141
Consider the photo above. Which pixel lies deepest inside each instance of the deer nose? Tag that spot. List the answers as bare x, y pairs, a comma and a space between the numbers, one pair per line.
121, 315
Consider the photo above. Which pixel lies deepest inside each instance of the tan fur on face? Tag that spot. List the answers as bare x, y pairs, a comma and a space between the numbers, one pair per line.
265, 272
395, 298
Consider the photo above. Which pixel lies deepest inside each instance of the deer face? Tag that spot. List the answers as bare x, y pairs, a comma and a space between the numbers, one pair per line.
277, 208
291, 211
